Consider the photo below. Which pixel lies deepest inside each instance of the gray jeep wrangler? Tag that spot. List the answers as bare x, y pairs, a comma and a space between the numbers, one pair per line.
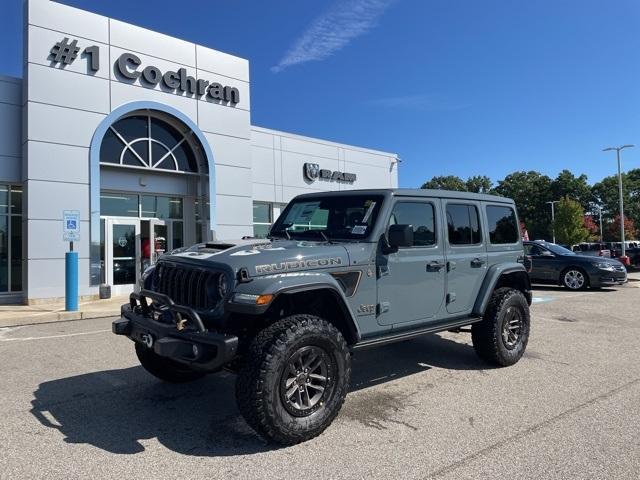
340, 272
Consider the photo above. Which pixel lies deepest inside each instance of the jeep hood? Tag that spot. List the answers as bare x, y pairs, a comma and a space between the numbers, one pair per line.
264, 257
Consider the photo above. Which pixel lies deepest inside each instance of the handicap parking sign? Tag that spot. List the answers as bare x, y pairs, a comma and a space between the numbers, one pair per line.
71, 225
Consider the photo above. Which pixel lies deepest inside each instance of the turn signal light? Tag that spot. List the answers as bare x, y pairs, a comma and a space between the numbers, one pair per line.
264, 299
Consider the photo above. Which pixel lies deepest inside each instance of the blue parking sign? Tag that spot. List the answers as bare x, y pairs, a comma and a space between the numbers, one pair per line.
71, 225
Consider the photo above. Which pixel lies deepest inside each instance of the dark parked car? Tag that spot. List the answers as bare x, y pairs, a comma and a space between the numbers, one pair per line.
556, 265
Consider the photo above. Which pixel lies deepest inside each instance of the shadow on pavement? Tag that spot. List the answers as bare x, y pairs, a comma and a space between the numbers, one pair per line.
117, 410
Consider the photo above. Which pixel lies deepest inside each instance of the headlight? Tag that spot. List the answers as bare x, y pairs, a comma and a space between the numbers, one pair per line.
223, 286
605, 266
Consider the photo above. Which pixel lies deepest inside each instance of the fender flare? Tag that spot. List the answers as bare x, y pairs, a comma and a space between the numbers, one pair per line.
491, 279
300, 283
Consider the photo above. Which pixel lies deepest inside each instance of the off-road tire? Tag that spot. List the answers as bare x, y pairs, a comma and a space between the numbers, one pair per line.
564, 282
260, 385
487, 335
165, 368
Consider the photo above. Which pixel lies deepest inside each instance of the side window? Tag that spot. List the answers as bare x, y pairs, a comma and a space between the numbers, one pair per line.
421, 217
533, 250
502, 223
463, 224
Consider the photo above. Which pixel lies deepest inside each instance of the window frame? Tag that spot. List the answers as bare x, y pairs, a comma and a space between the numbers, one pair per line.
10, 214
515, 217
479, 217
435, 222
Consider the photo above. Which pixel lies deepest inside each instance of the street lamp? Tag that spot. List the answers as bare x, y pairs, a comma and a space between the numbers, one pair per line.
617, 149
553, 218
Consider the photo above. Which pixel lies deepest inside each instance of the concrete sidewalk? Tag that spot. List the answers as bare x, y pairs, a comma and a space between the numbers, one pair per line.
15, 315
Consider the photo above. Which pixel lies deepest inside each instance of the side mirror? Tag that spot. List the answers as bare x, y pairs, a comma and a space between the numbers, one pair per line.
400, 236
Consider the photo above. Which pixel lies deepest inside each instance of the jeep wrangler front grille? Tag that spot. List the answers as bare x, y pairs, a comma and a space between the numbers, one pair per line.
187, 286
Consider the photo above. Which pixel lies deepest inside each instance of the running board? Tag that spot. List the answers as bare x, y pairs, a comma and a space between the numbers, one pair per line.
409, 334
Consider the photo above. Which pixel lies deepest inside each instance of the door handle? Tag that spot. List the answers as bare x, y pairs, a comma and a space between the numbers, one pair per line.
477, 262
435, 266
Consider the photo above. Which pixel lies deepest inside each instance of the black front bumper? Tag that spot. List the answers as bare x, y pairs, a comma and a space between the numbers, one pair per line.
194, 345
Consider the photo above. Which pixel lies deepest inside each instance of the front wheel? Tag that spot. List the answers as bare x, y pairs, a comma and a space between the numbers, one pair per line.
295, 379
165, 368
502, 336
574, 279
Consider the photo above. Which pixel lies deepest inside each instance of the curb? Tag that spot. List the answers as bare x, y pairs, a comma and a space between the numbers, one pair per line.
54, 317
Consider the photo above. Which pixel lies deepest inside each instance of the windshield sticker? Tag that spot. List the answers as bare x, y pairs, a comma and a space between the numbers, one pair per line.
369, 212
359, 230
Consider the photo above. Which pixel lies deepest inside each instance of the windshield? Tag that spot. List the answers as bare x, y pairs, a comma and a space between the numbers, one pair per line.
344, 217
558, 250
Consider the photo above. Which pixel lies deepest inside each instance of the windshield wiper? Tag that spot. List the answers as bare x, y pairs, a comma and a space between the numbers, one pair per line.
324, 235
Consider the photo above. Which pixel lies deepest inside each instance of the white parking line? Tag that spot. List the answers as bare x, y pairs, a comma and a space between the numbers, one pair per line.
24, 339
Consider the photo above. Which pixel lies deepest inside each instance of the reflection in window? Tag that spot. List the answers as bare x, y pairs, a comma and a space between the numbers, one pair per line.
10, 238
421, 217
262, 219
503, 227
119, 205
463, 224
145, 141
161, 207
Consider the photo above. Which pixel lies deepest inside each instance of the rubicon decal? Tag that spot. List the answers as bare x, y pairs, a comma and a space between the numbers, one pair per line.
297, 265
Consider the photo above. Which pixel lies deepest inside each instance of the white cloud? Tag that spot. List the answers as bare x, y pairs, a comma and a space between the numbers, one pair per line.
334, 30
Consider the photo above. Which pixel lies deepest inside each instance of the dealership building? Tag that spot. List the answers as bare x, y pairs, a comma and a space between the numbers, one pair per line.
148, 139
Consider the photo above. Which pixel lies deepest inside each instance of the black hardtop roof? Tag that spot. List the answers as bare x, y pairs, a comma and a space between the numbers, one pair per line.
414, 192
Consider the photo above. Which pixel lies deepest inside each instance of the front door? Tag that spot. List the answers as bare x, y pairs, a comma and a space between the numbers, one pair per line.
122, 254
160, 241
411, 281
466, 255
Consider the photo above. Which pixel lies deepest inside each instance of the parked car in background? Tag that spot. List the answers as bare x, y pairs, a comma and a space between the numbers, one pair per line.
592, 249
553, 264
632, 250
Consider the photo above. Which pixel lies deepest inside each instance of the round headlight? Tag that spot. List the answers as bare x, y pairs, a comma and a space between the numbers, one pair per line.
223, 286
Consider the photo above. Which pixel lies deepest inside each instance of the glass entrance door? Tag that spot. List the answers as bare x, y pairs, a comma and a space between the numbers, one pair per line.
122, 254
160, 240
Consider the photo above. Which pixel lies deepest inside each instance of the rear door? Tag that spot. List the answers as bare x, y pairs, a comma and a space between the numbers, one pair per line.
466, 254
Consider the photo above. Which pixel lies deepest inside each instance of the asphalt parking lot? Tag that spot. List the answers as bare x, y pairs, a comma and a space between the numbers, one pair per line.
75, 404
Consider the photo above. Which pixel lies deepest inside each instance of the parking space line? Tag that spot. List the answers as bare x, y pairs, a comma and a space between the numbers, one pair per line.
63, 335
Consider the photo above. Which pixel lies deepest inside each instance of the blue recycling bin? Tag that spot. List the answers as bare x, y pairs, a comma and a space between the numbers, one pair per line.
71, 281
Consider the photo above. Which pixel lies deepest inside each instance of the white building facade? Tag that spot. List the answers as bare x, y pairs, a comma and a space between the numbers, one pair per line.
149, 139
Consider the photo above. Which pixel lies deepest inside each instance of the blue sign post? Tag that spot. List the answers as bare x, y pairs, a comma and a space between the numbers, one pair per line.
71, 233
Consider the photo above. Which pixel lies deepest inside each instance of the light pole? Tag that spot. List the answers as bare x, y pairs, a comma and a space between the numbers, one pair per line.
553, 218
600, 211
617, 149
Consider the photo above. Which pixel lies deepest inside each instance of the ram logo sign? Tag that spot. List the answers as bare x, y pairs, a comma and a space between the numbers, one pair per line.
313, 172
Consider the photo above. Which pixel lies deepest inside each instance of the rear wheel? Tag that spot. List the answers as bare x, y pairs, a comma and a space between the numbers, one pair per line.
165, 368
502, 336
574, 278
295, 379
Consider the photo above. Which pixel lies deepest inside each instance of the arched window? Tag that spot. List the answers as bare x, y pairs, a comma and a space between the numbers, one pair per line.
146, 141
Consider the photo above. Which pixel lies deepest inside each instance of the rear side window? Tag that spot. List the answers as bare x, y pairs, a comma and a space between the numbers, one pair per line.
421, 217
463, 224
503, 227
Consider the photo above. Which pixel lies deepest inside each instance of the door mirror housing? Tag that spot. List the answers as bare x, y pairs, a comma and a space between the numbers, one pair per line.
400, 236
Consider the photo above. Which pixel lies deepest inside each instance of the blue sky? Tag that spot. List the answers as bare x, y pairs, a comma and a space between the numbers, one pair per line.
462, 87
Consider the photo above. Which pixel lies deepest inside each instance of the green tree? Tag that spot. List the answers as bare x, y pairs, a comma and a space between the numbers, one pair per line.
569, 222
448, 182
530, 190
566, 183
606, 194
479, 184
